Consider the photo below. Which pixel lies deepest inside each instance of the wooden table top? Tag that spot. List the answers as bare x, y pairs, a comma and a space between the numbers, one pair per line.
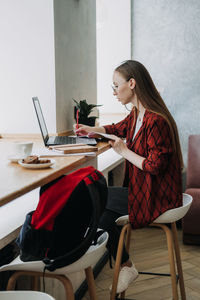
15, 180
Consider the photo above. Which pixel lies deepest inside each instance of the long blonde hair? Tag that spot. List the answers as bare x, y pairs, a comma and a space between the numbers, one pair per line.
150, 98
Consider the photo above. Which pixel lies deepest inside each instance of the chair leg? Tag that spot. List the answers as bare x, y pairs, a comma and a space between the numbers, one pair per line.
125, 230
91, 283
171, 257
12, 280
178, 261
65, 281
67, 285
34, 283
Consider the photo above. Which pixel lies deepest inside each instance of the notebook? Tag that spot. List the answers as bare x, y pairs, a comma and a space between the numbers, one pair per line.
57, 140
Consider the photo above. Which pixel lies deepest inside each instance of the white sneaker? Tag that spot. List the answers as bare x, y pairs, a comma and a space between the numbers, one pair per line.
126, 276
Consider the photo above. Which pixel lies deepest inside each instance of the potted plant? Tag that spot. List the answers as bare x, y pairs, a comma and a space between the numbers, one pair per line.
84, 110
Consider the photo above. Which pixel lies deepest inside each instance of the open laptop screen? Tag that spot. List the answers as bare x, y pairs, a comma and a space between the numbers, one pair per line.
41, 120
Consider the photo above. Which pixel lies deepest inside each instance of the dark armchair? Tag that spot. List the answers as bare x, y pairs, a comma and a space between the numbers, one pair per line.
191, 222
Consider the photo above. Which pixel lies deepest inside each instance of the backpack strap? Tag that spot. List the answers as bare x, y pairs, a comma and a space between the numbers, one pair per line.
97, 235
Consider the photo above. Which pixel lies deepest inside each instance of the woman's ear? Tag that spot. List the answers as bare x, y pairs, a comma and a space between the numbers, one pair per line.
132, 83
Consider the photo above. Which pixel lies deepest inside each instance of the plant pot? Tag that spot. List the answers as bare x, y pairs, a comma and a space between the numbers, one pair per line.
87, 121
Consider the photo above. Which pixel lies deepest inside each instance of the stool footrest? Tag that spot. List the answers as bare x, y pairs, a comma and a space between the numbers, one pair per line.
124, 299
158, 274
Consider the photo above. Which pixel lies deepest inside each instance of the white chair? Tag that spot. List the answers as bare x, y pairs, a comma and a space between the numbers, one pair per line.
24, 295
170, 216
35, 268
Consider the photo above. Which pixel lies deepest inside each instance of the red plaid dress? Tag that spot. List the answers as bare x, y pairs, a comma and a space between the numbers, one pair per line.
158, 187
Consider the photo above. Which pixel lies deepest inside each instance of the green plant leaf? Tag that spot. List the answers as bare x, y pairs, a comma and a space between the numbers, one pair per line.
91, 106
84, 108
77, 103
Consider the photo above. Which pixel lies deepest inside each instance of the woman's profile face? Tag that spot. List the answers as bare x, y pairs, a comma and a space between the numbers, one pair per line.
122, 89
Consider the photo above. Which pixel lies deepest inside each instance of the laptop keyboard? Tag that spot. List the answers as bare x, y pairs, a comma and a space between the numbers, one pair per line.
64, 140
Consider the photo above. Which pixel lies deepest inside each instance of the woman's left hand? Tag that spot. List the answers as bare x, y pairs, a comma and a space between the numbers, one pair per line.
118, 145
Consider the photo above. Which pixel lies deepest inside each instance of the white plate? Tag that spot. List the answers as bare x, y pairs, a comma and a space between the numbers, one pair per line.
14, 159
37, 166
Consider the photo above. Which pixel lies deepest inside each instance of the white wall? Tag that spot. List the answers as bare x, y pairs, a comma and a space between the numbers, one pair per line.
166, 39
113, 47
27, 65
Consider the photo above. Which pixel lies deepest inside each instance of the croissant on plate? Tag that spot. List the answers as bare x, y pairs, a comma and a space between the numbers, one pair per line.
34, 159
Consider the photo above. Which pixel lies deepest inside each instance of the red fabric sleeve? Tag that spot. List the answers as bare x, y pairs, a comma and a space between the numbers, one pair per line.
119, 129
159, 143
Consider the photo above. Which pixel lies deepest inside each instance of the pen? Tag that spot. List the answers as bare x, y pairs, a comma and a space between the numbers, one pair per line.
77, 116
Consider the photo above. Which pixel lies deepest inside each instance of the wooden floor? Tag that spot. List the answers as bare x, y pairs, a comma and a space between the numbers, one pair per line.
149, 253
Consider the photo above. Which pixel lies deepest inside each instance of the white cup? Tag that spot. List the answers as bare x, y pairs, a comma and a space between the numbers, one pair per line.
22, 149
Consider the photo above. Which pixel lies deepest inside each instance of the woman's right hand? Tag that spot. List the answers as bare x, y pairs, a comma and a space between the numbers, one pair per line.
90, 131
82, 129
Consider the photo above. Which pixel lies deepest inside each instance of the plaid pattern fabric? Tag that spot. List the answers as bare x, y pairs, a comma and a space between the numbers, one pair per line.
158, 187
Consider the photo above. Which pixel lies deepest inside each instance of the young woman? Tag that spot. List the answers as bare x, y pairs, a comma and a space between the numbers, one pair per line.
152, 182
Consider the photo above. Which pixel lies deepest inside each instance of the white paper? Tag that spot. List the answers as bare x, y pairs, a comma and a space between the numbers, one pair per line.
45, 152
105, 135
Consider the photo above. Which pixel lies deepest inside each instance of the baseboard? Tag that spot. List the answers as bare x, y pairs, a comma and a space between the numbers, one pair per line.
189, 239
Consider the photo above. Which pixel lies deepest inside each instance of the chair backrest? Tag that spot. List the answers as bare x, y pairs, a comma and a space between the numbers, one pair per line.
187, 200
193, 164
175, 214
94, 253
171, 215
24, 295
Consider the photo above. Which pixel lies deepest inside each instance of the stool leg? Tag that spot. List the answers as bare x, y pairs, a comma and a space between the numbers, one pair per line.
128, 240
128, 237
91, 283
178, 261
125, 229
171, 257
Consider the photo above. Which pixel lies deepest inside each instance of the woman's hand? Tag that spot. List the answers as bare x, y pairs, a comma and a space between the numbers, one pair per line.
88, 130
82, 129
119, 146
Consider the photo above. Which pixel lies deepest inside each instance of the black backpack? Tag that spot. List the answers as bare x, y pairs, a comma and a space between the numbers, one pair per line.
65, 222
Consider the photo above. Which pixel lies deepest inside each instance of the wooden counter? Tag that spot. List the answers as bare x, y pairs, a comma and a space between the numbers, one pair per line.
15, 180
19, 190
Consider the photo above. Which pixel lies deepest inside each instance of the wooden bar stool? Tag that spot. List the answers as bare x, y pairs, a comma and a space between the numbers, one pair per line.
170, 216
36, 268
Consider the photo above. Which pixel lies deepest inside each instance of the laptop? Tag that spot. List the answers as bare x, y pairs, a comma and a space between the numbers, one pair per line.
57, 140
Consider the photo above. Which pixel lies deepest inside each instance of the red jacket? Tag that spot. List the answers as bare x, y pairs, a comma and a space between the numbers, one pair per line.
158, 187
